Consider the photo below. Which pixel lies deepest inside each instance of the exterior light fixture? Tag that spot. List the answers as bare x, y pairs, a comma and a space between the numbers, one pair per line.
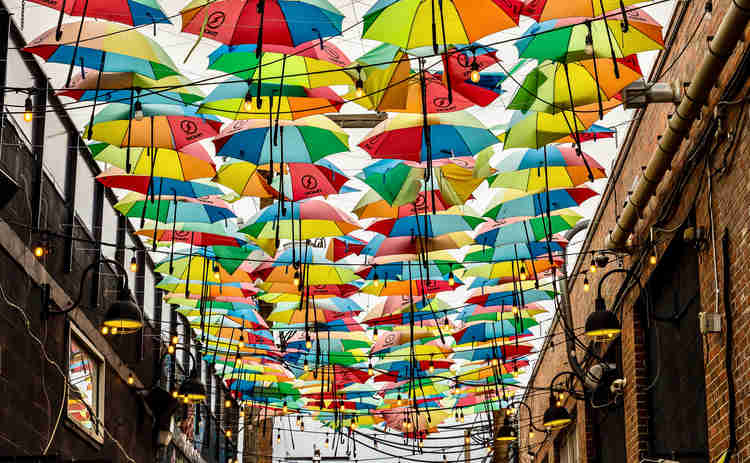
602, 324
506, 432
556, 416
192, 389
122, 317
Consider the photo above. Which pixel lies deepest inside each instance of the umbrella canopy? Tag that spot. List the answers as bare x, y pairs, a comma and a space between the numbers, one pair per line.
124, 87
310, 219
162, 126
166, 210
191, 163
116, 178
410, 23
245, 179
278, 22
534, 129
549, 167
303, 181
501, 207
524, 231
450, 135
131, 12
307, 140
193, 233
552, 87
232, 98
106, 47
425, 225
307, 65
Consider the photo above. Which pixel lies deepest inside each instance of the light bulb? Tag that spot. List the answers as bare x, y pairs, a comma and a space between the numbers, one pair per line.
302, 427
299, 421
592, 268
174, 394
114, 330
242, 413
375, 332
354, 425
241, 342
370, 370
286, 407
247, 105
138, 111
105, 330
28, 110
131, 380
217, 272
39, 251
589, 48
709, 8
227, 403
523, 273
586, 285
467, 439
170, 349
431, 368
308, 344
228, 433
133, 264
306, 366
175, 339
359, 92
652, 259
475, 71
296, 278
451, 279
278, 438
326, 443
531, 434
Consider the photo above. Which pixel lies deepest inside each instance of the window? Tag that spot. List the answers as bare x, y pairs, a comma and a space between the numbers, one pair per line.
55, 150
86, 385
569, 447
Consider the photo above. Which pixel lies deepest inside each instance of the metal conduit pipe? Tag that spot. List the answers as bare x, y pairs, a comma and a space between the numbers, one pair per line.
720, 49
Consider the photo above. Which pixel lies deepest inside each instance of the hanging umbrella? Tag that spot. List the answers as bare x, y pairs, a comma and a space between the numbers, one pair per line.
232, 99
277, 22
487, 331
407, 24
425, 225
124, 87
515, 270
408, 287
133, 13
161, 126
549, 167
371, 205
303, 181
244, 179
198, 234
552, 87
309, 219
166, 210
340, 247
506, 352
463, 66
403, 248
396, 182
106, 47
307, 65
474, 313
510, 294
503, 233
307, 140
515, 251
593, 133
451, 135
536, 204
544, 10
196, 268
116, 178
534, 129
191, 163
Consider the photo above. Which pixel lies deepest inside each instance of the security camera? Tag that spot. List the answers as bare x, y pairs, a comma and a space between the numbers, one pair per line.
618, 386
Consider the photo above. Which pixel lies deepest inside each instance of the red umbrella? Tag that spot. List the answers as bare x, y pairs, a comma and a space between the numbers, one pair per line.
343, 246
459, 67
304, 181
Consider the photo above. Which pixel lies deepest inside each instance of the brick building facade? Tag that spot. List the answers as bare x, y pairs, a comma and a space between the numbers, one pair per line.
674, 406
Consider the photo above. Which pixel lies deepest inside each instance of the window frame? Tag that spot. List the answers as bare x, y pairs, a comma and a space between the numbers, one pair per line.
75, 333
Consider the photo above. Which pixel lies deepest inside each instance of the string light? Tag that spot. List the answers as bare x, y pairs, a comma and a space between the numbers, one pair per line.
586, 285
653, 259
133, 264
39, 250
451, 279
228, 433
370, 370
286, 407
28, 110
217, 271
138, 110
105, 330
131, 379
241, 342
247, 105
278, 438
296, 278
592, 267
359, 92
475, 76
431, 368
326, 442
170, 349
227, 403
306, 366
175, 339
523, 273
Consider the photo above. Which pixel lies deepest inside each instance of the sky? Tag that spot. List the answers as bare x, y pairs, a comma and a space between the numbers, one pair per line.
37, 19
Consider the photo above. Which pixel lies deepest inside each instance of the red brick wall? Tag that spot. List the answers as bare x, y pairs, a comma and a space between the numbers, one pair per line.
731, 204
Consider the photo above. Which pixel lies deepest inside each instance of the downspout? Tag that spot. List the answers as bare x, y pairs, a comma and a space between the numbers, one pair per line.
720, 49
567, 312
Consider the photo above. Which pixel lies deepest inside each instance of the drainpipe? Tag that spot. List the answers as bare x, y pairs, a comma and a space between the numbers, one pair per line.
720, 48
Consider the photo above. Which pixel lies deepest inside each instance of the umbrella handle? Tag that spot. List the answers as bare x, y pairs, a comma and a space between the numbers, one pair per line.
434, 28
90, 129
78, 41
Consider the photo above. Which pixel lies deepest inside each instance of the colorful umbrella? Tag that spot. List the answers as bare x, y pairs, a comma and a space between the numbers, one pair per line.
307, 65
307, 140
278, 22
124, 87
161, 126
372, 206
502, 233
534, 130
233, 99
198, 234
425, 225
191, 163
305, 220
450, 135
539, 203
106, 47
132, 12
407, 24
166, 210
549, 167
116, 178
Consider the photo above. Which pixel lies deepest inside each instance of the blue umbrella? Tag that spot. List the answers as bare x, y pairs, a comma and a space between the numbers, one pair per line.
539, 203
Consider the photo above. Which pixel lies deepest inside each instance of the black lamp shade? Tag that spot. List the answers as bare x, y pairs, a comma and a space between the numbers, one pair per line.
507, 432
192, 389
602, 324
123, 315
556, 417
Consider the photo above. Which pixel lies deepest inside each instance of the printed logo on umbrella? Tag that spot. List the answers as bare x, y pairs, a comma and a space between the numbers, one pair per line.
214, 21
